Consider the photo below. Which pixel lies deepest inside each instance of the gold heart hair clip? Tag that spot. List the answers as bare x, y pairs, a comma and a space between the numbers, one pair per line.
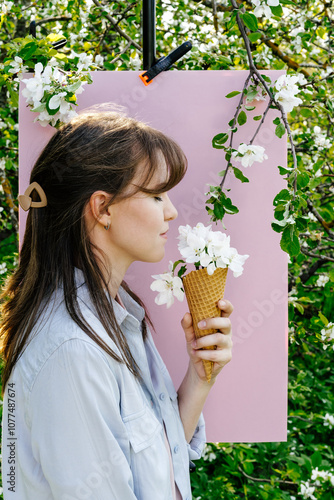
25, 200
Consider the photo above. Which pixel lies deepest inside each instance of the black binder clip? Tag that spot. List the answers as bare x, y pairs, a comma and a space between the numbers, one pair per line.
164, 63
56, 45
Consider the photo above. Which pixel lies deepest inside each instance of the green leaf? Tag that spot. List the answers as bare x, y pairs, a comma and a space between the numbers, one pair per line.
276, 227
316, 459
239, 175
280, 130
283, 195
323, 318
277, 121
74, 87
229, 207
232, 94
266, 78
306, 112
254, 37
218, 210
219, 140
285, 170
182, 271
289, 241
251, 94
242, 118
250, 21
249, 108
299, 307
49, 110
301, 223
257, 118
40, 108
302, 180
28, 50
177, 263
14, 97
277, 11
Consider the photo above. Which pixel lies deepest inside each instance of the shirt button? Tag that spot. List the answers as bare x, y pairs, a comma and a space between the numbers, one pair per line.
176, 448
162, 396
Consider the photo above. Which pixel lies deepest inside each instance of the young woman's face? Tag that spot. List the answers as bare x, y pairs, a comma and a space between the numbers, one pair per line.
139, 224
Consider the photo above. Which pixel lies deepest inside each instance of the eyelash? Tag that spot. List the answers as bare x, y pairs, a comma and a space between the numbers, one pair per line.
158, 198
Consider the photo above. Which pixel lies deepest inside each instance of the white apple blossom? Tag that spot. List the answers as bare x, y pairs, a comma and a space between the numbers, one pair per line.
307, 491
85, 61
52, 81
201, 246
195, 248
99, 60
17, 67
36, 86
3, 268
168, 286
327, 335
323, 474
329, 420
248, 154
322, 280
320, 139
56, 100
263, 8
5, 7
286, 92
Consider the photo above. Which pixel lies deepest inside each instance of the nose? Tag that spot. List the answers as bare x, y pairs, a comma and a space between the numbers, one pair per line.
170, 211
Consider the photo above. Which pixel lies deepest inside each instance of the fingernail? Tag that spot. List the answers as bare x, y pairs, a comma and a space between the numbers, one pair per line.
194, 343
202, 324
222, 303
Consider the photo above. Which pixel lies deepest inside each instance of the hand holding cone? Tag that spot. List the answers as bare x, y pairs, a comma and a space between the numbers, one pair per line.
203, 292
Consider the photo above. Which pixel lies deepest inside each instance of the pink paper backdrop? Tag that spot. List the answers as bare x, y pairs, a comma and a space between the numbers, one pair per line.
249, 401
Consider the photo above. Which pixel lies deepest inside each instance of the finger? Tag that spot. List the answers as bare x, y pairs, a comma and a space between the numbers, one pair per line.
187, 325
222, 356
222, 324
226, 307
216, 339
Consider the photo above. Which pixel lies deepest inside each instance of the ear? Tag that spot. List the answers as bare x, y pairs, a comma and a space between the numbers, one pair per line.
96, 210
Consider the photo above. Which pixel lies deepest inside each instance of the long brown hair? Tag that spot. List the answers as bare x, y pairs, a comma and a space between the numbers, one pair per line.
95, 151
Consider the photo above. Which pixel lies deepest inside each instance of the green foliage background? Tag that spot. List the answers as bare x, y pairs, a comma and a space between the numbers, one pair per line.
298, 37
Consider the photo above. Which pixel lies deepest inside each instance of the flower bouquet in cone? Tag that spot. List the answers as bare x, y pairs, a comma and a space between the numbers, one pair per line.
211, 254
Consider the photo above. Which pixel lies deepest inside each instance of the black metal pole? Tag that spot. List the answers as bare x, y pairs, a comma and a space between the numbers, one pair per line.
149, 37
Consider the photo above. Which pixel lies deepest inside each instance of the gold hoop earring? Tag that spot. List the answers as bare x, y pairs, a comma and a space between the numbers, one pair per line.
107, 226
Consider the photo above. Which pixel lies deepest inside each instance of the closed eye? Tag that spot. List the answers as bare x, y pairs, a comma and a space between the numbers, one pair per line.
158, 198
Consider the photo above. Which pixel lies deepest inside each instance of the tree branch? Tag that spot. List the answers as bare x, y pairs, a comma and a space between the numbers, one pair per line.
51, 19
315, 256
290, 62
324, 224
263, 480
254, 70
117, 28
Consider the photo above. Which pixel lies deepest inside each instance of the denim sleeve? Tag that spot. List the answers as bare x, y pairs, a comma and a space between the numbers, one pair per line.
196, 445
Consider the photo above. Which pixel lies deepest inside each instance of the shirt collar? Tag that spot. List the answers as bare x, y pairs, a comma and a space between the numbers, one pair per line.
133, 311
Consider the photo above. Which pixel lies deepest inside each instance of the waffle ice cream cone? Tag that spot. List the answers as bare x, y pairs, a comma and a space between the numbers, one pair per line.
203, 293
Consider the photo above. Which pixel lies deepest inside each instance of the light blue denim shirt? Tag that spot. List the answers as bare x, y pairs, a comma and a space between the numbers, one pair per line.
77, 425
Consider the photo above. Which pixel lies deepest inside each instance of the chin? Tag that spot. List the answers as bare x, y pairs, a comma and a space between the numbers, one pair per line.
155, 258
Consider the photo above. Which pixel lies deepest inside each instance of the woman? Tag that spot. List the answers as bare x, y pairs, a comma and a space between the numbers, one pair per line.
86, 393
